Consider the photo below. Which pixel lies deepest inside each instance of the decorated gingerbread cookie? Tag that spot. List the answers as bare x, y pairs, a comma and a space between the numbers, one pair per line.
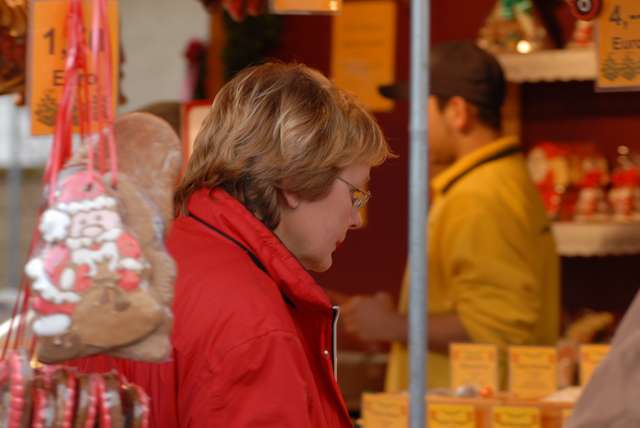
90, 277
87, 400
135, 403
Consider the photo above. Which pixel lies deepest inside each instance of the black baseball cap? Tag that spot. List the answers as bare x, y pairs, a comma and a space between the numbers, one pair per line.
460, 68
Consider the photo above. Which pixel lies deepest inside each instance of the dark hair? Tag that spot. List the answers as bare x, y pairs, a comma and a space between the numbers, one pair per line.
488, 116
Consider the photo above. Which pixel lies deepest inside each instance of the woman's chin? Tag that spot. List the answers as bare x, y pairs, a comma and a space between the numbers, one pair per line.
319, 266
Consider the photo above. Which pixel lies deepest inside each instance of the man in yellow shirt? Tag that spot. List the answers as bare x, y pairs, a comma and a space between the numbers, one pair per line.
493, 268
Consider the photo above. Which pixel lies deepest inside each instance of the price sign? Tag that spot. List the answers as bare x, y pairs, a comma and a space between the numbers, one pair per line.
619, 45
47, 52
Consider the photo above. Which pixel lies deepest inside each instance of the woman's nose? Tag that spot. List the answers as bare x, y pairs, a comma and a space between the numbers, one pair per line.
356, 219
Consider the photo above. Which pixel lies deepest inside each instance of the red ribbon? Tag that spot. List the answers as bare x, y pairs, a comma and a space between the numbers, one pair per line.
77, 91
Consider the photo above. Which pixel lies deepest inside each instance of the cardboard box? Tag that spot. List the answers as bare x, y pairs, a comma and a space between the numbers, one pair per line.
387, 410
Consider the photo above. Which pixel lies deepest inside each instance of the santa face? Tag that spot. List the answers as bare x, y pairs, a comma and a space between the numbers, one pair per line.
94, 223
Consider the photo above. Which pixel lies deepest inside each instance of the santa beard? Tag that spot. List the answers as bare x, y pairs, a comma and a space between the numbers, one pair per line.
90, 251
87, 242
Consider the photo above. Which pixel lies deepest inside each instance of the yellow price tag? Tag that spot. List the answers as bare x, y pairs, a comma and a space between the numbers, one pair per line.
516, 417
619, 45
451, 416
474, 365
47, 51
532, 371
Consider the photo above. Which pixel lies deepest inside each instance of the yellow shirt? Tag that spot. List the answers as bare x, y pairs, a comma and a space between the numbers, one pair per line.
492, 258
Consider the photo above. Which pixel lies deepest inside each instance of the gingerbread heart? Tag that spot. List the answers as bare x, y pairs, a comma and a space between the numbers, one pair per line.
16, 379
135, 403
44, 405
87, 401
111, 414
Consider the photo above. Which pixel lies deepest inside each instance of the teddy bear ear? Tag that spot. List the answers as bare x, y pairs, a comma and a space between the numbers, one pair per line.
146, 139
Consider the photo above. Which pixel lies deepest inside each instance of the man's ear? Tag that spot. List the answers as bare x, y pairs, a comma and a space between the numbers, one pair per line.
291, 199
459, 114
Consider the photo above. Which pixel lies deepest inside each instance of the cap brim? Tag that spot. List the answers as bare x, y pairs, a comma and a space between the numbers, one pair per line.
397, 91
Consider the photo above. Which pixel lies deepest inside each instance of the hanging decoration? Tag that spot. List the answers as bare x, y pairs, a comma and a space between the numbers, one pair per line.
100, 278
92, 280
585, 10
513, 26
55, 396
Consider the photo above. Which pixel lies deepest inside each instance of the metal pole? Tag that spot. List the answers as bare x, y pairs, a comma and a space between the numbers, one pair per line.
418, 166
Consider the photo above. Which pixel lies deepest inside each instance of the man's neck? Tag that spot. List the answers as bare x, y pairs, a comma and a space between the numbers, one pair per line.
474, 140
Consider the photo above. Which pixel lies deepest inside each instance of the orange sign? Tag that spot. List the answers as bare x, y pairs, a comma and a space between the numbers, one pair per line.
47, 41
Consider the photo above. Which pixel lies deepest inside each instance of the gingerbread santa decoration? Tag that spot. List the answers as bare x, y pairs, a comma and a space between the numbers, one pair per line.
90, 278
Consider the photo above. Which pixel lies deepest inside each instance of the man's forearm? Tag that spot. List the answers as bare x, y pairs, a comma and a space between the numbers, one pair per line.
443, 330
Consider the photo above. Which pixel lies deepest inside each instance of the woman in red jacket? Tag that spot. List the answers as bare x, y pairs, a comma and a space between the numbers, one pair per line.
272, 188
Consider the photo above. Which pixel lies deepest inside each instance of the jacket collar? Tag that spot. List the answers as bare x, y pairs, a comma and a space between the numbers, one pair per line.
502, 147
221, 210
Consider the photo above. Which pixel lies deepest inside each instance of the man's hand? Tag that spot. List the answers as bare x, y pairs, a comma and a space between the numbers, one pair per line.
374, 319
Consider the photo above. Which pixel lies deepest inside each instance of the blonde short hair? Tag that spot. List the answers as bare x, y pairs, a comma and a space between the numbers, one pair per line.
279, 127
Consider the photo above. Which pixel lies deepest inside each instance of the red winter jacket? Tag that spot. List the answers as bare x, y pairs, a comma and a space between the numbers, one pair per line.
252, 348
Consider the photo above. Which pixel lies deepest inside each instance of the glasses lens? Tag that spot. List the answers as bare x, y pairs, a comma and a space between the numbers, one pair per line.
359, 199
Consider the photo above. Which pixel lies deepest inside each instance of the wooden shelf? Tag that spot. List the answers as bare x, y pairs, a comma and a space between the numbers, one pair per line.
597, 239
550, 65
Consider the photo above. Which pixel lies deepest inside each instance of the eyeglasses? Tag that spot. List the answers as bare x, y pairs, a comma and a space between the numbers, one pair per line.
359, 198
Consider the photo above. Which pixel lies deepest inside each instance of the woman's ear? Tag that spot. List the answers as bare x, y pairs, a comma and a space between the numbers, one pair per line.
291, 199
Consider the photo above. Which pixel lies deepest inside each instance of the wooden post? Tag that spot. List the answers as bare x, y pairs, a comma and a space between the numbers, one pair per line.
217, 42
